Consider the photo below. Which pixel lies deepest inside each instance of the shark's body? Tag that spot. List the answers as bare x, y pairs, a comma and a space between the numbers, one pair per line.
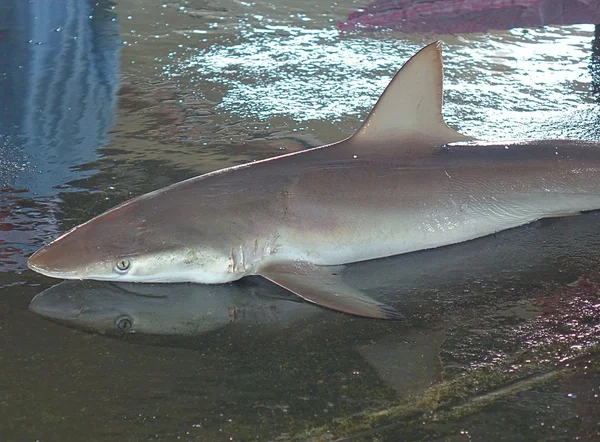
403, 182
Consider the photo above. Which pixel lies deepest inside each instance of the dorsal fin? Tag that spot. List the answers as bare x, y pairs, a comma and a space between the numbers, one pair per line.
411, 105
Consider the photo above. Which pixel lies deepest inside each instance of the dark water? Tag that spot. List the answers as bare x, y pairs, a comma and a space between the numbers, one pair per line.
103, 101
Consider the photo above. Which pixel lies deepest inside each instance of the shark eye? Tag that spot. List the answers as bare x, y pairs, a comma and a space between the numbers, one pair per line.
123, 322
122, 265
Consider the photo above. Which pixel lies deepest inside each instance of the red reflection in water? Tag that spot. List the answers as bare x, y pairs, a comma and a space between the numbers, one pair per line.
464, 16
24, 224
575, 294
570, 316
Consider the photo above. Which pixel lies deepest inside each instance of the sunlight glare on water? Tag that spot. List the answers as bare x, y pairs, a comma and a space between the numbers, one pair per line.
322, 74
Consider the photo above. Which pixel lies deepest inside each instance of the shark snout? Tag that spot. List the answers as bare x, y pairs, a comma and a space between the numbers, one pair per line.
51, 262
36, 261
67, 256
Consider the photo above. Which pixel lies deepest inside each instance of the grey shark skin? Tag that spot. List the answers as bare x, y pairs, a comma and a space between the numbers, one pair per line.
403, 182
165, 309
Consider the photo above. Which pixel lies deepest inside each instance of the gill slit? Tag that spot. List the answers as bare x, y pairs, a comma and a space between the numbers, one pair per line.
245, 258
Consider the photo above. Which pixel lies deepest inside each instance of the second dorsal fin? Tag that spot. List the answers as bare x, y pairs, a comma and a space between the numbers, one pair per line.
411, 105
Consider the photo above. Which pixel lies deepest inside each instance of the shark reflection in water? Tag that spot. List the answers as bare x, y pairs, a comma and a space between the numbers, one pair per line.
168, 309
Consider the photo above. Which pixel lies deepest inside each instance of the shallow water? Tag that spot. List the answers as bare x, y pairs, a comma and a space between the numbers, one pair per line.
107, 101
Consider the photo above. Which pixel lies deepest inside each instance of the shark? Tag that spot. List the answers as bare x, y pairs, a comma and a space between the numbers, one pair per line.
404, 181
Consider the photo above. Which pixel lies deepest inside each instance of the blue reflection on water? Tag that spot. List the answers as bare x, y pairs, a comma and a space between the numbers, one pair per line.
58, 82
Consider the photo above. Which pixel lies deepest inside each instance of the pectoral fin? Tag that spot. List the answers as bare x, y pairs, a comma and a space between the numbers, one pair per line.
322, 286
